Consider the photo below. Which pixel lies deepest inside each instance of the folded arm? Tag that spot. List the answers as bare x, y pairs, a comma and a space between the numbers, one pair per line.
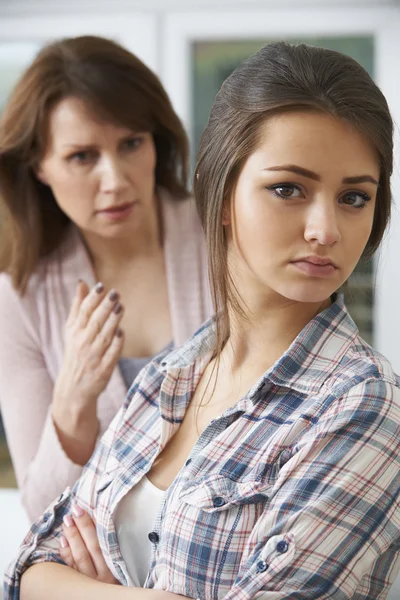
58, 582
41, 544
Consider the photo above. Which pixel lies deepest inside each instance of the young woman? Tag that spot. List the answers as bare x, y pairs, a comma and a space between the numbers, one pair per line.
93, 164
260, 460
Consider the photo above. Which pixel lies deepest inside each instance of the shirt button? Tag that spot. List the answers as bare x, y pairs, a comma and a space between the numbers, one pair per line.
187, 463
262, 566
218, 501
282, 547
154, 537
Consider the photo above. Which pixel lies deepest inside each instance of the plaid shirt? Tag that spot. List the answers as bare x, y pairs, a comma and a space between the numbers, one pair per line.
294, 492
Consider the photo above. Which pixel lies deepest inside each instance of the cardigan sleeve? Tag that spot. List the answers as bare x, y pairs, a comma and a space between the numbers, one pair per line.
42, 541
41, 466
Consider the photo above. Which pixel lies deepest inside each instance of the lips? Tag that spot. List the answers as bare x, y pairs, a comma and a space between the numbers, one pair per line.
117, 208
317, 260
315, 266
117, 213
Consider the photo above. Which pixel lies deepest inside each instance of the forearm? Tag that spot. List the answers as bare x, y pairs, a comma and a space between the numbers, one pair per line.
51, 581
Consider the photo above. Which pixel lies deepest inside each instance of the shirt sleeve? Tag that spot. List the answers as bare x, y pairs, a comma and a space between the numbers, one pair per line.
333, 514
41, 466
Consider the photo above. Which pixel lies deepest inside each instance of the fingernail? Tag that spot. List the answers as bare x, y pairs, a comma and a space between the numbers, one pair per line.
99, 287
63, 542
77, 511
113, 295
117, 308
68, 521
80, 281
119, 332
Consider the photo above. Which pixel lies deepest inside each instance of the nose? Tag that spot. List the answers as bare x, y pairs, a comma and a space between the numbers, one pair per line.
322, 225
114, 177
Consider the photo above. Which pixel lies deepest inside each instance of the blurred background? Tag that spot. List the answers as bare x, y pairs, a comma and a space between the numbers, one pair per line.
193, 45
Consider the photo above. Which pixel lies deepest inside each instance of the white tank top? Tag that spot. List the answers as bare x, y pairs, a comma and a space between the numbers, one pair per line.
134, 519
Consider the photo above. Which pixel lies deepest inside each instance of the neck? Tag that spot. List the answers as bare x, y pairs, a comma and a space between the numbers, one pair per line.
259, 341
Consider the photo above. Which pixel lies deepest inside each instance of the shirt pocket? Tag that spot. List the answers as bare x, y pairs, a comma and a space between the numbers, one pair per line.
216, 493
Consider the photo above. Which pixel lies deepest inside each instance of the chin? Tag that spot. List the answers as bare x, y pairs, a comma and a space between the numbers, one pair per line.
309, 294
119, 230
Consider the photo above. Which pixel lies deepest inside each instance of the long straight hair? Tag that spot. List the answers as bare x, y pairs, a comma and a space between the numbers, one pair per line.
281, 77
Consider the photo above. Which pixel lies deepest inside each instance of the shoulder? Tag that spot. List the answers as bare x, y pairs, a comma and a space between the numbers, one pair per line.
19, 316
11, 299
361, 363
39, 286
378, 376
365, 386
331, 362
339, 353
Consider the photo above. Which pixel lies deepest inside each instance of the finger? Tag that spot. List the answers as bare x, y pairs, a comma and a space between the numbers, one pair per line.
88, 533
100, 315
89, 304
80, 554
105, 336
81, 292
65, 552
113, 352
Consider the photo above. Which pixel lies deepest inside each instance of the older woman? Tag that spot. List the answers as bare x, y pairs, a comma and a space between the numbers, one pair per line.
93, 163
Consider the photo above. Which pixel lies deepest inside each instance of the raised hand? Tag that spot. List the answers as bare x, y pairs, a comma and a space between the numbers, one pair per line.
93, 344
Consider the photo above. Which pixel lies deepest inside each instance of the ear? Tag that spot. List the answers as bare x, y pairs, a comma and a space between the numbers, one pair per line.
226, 215
40, 175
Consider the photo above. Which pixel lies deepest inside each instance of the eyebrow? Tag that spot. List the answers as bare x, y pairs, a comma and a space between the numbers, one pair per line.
78, 145
311, 175
95, 144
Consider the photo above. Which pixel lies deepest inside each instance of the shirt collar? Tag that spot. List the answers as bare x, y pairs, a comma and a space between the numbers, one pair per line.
305, 365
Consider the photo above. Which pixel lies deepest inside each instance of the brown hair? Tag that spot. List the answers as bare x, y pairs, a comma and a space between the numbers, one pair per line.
120, 89
282, 77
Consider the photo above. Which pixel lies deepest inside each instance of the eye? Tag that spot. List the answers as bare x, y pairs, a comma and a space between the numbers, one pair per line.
355, 199
132, 143
286, 190
82, 157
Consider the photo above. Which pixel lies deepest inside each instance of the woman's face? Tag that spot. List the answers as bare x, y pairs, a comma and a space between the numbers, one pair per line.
102, 175
302, 210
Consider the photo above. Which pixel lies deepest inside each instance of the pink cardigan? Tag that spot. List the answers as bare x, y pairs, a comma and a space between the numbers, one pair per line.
31, 346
